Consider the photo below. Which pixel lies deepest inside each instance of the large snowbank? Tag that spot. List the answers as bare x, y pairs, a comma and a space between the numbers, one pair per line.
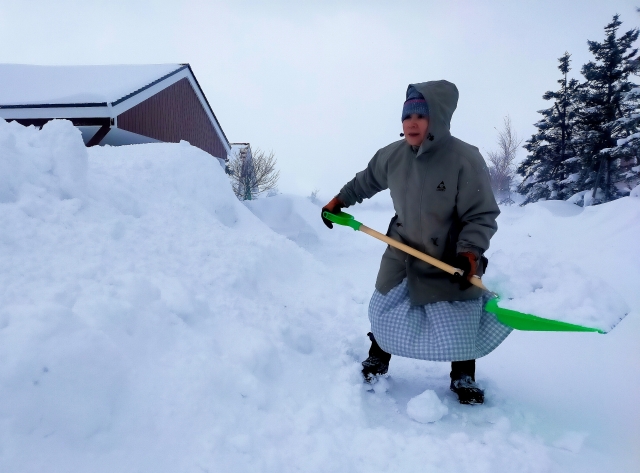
151, 322
153, 313
51, 162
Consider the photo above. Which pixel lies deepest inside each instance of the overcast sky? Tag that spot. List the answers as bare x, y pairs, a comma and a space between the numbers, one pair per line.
322, 83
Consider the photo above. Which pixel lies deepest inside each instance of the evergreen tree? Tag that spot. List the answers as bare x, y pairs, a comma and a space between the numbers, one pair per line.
608, 115
550, 168
628, 149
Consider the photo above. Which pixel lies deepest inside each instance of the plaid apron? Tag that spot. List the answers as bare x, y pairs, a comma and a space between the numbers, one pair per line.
441, 331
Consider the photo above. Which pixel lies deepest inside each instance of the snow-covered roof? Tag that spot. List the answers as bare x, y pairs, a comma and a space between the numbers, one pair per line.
30, 92
35, 85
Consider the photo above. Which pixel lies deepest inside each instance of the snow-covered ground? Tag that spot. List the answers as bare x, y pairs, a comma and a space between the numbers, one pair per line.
151, 322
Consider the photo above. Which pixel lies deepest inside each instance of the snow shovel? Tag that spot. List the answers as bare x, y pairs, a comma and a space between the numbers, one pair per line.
511, 318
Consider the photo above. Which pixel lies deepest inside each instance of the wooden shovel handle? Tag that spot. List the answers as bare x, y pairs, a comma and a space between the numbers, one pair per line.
475, 280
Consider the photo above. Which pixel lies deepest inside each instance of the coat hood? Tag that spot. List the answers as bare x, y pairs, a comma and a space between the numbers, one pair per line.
442, 98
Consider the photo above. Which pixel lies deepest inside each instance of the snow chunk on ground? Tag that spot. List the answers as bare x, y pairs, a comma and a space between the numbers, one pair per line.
426, 407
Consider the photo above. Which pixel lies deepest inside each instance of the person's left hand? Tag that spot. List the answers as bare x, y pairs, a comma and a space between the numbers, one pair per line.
335, 206
468, 263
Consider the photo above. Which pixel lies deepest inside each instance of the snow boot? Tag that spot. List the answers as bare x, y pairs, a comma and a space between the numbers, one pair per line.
463, 382
377, 363
467, 390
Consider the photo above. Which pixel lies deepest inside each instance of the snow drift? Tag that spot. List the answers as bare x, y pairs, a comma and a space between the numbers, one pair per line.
144, 309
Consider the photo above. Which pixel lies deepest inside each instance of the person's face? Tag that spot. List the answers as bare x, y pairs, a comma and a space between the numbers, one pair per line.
415, 129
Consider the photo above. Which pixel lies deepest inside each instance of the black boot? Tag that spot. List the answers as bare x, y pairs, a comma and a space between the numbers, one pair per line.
377, 363
463, 382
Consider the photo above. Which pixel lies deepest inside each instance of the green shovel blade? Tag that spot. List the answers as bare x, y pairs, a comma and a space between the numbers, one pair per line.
522, 321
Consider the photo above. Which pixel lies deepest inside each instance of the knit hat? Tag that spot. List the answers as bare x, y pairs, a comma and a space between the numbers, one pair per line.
415, 103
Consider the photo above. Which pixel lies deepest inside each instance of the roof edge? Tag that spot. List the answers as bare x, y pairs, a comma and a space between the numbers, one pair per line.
55, 105
208, 104
149, 85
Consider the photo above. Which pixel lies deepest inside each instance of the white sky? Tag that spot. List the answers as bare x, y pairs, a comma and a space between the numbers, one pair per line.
322, 83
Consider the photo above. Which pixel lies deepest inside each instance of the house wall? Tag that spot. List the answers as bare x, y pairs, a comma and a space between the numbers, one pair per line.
171, 115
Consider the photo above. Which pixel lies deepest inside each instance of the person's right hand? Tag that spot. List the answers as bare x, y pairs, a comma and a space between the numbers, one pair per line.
468, 263
335, 206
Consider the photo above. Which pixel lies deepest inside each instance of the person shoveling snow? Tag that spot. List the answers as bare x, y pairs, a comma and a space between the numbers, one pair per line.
444, 207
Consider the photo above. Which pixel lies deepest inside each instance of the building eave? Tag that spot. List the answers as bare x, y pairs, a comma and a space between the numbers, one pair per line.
111, 110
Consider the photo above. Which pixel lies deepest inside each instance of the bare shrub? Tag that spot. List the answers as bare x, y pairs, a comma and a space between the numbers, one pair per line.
501, 167
252, 173
313, 197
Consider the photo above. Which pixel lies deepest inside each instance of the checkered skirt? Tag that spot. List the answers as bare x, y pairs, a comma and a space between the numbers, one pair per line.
441, 331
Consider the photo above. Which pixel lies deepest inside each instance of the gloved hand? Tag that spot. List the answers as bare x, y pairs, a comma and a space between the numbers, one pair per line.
468, 263
335, 206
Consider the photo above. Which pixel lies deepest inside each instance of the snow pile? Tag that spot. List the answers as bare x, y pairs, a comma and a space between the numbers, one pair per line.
426, 408
56, 164
543, 261
153, 321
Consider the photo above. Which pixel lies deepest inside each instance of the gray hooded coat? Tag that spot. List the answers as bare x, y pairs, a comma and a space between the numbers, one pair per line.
442, 198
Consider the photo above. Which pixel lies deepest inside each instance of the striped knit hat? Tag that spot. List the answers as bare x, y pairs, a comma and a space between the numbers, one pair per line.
415, 103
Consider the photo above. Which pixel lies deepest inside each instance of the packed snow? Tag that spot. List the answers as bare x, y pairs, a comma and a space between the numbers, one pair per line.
149, 321
426, 407
22, 84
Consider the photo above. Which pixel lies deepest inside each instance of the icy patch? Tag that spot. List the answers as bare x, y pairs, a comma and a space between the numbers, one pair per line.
426, 408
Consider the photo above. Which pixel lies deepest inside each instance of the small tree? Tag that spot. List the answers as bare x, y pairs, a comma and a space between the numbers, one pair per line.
313, 197
252, 173
501, 168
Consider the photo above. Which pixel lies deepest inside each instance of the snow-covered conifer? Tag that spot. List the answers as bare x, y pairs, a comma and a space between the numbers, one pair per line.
609, 123
550, 168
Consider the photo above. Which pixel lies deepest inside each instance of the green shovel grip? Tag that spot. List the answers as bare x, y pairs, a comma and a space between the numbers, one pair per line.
342, 218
